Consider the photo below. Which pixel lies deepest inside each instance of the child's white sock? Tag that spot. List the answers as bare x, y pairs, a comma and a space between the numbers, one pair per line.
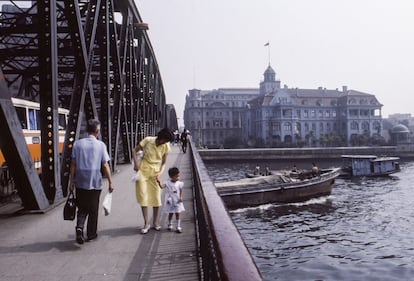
178, 223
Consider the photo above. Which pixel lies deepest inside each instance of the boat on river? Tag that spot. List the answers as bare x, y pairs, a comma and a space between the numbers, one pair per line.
369, 166
276, 188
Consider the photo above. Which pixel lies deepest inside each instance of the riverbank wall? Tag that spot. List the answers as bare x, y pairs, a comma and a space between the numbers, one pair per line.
303, 153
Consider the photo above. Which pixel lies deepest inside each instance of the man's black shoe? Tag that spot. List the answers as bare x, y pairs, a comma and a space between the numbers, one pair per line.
79, 236
92, 238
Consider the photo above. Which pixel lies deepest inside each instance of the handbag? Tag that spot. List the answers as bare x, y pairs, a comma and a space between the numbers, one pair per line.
69, 211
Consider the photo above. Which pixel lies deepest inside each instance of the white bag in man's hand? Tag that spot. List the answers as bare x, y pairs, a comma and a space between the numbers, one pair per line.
107, 203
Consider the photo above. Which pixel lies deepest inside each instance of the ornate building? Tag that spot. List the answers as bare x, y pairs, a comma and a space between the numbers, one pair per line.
272, 116
215, 116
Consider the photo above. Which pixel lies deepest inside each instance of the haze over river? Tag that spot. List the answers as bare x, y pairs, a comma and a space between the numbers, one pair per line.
363, 231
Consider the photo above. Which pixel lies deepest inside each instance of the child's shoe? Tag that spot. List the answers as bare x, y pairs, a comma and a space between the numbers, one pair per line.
179, 229
170, 227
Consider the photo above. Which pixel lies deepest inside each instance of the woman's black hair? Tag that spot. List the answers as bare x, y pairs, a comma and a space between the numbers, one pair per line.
165, 134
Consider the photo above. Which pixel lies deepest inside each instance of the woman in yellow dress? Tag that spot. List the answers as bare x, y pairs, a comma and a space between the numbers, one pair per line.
151, 167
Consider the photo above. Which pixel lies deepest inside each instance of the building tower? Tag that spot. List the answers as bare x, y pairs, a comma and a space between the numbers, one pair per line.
269, 84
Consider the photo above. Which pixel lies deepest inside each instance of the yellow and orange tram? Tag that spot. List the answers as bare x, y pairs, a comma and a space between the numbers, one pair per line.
28, 113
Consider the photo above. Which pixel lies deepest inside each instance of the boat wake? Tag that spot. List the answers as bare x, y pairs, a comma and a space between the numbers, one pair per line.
314, 201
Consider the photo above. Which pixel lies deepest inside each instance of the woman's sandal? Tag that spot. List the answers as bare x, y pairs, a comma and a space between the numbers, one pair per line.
157, 227
145, 229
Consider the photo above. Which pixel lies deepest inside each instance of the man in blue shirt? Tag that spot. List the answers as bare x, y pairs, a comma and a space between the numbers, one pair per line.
89, 156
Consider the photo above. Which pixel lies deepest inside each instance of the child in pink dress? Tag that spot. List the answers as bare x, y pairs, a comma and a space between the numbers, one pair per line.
174, 198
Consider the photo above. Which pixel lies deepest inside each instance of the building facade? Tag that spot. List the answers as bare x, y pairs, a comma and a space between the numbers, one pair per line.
214, 117
275, 116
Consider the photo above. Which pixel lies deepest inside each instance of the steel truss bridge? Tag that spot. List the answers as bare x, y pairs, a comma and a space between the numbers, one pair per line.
93, 57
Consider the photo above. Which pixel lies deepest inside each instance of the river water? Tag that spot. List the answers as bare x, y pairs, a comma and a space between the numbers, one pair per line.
363, 231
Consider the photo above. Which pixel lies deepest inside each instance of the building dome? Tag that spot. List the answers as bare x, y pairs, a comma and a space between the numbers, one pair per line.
400, 128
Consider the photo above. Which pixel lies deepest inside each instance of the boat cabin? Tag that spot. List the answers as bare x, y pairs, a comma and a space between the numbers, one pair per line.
370, 165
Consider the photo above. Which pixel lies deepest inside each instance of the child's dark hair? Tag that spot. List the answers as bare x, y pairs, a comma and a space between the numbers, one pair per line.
173, 171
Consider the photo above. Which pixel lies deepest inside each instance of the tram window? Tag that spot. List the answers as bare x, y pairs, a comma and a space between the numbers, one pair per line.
34, 119
62, 121
21, 114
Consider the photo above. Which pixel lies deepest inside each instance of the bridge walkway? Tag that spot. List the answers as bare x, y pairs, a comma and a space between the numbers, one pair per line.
42, 247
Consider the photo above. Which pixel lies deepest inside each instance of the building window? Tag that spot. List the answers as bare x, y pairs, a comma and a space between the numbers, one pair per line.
354, 126
287, 126
353, 112
306, 113
377, 127
276, 126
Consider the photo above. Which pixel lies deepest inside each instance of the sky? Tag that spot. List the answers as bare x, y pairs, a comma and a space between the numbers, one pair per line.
366, 45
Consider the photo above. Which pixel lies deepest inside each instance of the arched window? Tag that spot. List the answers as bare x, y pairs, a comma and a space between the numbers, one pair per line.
354, 125
287, 126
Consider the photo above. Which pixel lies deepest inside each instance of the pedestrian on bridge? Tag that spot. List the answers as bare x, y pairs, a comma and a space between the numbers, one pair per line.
174, 198
89, 156
151, 167
184, 140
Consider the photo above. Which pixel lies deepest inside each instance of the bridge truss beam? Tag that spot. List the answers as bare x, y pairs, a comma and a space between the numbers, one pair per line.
93, 57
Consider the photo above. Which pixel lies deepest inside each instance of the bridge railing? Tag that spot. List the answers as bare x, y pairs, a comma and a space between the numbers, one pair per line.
223, 254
